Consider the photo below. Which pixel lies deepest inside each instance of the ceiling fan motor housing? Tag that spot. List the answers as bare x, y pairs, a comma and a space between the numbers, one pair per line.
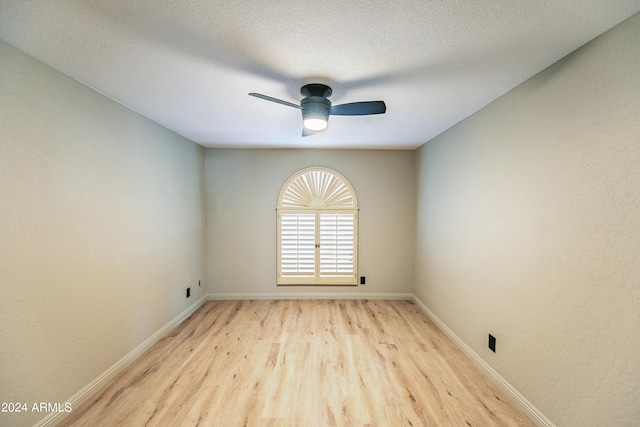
315, 104
315, 107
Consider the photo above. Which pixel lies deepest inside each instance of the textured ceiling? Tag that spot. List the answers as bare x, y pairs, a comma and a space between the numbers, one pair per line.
189, 65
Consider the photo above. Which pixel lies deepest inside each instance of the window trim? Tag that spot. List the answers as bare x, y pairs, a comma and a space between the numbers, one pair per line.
339, 197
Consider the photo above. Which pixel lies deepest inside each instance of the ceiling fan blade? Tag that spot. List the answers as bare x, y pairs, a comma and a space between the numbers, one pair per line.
359, 108
276, 100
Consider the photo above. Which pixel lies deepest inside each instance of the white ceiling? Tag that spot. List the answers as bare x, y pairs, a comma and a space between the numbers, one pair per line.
190, 64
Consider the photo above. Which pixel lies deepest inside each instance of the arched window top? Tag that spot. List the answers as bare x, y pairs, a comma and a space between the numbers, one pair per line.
317, 188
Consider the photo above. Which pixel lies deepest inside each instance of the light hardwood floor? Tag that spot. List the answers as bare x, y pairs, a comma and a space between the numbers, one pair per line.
302, 363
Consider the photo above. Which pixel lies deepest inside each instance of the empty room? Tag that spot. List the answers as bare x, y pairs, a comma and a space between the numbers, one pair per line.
295, 213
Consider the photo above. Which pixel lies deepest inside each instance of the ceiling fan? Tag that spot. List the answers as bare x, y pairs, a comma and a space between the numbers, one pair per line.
316, 108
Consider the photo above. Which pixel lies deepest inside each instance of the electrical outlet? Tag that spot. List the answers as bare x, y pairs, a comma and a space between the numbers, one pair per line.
188, 292
492, 343
362, 280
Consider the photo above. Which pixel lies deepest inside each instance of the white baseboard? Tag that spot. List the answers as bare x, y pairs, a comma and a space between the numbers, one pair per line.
77, 399
531, 411
309, 295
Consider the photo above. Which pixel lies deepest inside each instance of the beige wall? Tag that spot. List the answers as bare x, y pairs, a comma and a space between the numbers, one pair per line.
101, 230
242, 192
528, 227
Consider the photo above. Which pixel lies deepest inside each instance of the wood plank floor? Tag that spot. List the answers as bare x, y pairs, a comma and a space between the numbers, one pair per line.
301, 363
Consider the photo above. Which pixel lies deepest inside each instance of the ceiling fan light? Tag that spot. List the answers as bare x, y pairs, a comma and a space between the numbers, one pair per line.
315, 124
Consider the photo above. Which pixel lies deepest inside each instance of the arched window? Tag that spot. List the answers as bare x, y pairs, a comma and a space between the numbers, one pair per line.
317, 229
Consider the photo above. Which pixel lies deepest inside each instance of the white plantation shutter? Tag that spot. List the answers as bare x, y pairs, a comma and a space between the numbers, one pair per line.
317, 229
317, 187
337, 245
298, 246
